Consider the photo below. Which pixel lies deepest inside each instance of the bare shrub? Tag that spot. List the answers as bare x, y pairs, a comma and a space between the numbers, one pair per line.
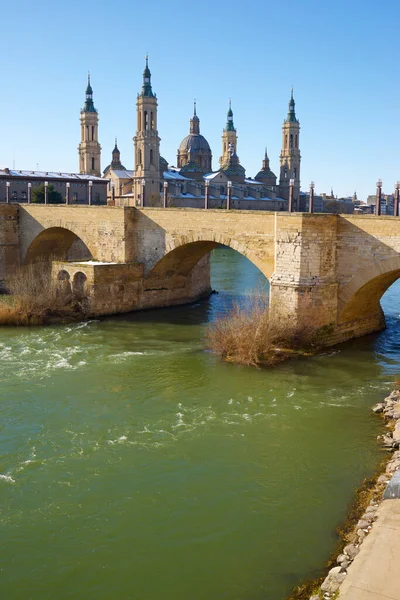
247, 335
37, 297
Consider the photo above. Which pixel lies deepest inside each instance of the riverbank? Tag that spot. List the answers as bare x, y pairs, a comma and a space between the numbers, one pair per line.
369, 570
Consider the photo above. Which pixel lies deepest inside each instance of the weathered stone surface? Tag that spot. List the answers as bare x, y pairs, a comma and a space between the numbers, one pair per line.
351, 551
362, 524
378, 408
334, 579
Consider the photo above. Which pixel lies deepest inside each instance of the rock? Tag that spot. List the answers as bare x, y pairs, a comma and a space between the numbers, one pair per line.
394, 395
389, 414
362, 524
335, 577
378, 408
368, 517
361, 535
314, 597
383, 478
396, 433
371, 509
345, 564
396, 410
386, 440
351, 551
341, 558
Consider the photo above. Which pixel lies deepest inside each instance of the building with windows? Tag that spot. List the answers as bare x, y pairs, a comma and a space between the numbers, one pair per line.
17, 186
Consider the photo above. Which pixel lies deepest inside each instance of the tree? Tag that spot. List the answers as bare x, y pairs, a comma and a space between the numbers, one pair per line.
53, 197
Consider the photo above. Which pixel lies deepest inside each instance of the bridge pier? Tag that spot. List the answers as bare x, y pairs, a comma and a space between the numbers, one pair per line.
303, 286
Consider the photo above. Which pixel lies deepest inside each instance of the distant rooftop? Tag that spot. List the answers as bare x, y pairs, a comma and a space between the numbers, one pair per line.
6, 172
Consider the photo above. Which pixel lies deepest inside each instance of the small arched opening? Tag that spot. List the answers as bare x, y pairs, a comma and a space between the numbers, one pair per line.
79, 285
63, 283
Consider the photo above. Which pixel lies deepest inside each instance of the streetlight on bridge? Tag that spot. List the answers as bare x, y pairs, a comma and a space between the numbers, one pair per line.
378, 197
396, 199
311, 200
165, 194
143, 191
291, 192
229, 195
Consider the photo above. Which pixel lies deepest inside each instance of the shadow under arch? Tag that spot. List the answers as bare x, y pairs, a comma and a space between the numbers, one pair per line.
182, 258
360, 298
57, 243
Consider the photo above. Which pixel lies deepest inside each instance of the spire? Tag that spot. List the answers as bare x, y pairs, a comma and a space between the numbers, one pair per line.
116, 158
265, 163
146, 88
195, 122
89, 106
229, 121
291, 117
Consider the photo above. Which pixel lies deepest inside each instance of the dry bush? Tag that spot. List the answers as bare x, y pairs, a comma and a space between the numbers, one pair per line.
36, 297
246, 335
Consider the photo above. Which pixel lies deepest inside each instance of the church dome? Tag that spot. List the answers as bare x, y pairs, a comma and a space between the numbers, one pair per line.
265, 175
191, 167
196, 142
163, 164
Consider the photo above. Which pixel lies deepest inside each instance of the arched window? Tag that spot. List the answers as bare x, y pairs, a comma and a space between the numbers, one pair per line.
151, 120
146, 120
92, 132
92, 163
291, 140
79, 285
294, 173
151, 156
286, 141
140, 158
297, 142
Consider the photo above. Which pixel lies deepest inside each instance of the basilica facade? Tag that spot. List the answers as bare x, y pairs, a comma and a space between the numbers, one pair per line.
153, 182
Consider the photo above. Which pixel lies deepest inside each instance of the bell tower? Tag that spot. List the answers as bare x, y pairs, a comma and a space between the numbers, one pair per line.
290, 154
89, 147
146, 181
229, 139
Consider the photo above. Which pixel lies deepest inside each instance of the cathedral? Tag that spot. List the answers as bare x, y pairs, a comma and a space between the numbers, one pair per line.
153, 182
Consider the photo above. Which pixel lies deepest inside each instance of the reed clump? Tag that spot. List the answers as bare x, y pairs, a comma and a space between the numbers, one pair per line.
247, 335
35, 298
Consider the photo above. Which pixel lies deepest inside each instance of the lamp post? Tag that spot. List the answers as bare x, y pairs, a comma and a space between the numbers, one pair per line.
291, 191
90, 192
29, 192
396, 199
311, 201
206, 194
46, 192
143, 192
378, 197
165, 197
229, 196
7, 192
67, 186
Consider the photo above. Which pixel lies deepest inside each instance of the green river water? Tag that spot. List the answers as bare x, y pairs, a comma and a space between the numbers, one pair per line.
136, 465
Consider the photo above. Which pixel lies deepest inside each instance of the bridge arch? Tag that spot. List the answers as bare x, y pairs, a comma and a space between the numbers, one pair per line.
57, 243
360, 298
183, 253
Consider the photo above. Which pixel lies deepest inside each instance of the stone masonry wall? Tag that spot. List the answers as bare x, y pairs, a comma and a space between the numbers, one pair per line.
9, 241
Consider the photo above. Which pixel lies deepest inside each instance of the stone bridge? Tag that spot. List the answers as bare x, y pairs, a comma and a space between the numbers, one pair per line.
326, 270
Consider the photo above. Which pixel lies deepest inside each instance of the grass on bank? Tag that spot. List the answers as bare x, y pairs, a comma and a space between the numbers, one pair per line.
247, 335
35, 298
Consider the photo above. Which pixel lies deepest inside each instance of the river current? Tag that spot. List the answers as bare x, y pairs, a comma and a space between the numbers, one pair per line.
136, 465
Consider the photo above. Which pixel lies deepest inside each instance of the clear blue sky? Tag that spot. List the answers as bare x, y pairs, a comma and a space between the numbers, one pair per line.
341, 57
